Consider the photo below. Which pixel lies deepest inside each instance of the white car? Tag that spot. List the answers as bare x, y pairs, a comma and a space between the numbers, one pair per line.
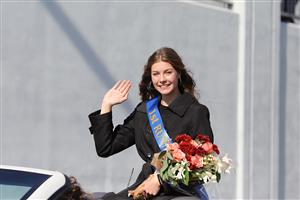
28, 183
20, 183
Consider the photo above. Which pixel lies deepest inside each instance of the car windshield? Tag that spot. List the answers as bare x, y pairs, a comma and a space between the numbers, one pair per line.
19, 184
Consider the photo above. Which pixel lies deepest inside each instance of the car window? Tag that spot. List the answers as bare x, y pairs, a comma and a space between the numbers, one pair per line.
13, 191
19, 184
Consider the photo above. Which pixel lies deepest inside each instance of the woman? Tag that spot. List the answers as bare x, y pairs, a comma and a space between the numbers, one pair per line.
164, 77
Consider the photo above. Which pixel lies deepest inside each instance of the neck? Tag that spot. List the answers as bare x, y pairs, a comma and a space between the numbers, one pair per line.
166, 100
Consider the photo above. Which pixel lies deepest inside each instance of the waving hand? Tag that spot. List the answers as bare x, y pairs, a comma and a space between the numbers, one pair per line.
116, 95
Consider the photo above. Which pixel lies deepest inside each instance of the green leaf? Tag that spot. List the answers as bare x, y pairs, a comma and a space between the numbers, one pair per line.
218, 176
170, 174
165, 166
186, 178
165, 176
177, 165
162, 154
174, 183
169, 156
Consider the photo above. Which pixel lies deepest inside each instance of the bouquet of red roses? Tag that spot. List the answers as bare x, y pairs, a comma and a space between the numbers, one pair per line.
187, 160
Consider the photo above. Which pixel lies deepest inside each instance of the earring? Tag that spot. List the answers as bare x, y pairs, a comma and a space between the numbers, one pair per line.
149, 87
180, 81
180, 84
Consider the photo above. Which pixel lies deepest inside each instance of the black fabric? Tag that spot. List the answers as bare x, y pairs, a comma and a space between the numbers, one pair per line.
184, 115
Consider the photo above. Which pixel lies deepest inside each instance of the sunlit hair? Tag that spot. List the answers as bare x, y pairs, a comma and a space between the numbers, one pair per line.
75, 192
169, 55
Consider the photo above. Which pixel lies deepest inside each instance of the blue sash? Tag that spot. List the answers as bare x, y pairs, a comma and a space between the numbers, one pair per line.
162, 138
156, 123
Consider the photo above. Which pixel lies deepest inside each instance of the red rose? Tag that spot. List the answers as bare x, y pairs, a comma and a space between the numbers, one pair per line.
200, 151
196, 162
187, 148
172, 146
208, 147
183, 137
178, 155
188, 157
194, 143
216, 149
204, 138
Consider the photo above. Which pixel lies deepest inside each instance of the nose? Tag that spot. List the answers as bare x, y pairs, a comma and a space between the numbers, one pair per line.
162, 78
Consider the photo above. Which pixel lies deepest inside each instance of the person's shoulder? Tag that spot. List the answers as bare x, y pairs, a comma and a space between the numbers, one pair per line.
141, 107
196, 105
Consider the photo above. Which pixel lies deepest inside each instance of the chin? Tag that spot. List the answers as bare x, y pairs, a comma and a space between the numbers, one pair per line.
165, 92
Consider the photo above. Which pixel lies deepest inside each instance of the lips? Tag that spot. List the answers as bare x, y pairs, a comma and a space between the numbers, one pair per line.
164, 87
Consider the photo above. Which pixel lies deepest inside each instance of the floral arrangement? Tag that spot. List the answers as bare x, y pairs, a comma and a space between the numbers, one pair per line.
187, 160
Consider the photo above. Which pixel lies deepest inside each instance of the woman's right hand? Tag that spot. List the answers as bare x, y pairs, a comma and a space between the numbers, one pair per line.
116, 95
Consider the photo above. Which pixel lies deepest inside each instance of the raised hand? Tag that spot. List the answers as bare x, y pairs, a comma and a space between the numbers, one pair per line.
116, 95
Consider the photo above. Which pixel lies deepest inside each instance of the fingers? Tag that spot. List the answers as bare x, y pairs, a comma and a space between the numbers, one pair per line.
130, 193
126, 95
116, 85
153, 193
124, 86
137, 191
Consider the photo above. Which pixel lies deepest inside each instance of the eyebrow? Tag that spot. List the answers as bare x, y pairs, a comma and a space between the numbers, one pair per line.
164, 70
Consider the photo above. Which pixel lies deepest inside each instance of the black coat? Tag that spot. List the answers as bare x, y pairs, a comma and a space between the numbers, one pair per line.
184, 115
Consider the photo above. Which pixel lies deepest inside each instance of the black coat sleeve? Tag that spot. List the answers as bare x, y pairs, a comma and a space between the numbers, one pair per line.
110, 140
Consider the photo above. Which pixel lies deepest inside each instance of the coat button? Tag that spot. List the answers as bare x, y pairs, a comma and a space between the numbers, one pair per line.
149, 155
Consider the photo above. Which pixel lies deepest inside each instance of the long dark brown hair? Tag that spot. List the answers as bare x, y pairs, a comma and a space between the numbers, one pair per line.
169, 55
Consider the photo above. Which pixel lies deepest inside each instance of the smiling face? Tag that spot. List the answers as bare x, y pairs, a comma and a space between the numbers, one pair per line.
158, 81
164, 78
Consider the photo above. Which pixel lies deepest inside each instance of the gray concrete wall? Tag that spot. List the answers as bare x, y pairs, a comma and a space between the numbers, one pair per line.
271, 104
261, 99
59, 58
289, 112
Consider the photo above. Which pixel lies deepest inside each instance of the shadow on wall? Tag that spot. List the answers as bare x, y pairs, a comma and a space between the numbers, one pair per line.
88, 54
